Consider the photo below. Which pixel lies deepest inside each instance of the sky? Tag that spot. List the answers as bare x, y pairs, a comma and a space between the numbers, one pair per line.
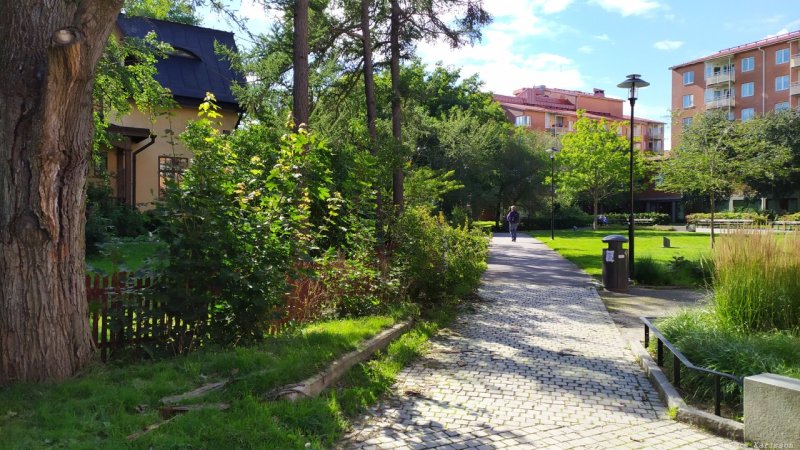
586, 44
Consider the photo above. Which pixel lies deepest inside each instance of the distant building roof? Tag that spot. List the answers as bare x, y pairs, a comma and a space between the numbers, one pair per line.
743, 48
195, 68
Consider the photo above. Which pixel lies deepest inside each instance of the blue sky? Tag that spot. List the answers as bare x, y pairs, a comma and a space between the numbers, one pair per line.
585, 44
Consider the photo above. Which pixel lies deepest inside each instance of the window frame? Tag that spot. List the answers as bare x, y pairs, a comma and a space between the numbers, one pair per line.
782, 108
689, 97
752, 65
783, 51
690, 75
526, 122
752, 90
752, 114
174, 171
782, 77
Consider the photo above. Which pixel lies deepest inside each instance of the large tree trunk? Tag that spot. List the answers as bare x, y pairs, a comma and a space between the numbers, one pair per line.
371, 103
300, 102
45, 146
397, 128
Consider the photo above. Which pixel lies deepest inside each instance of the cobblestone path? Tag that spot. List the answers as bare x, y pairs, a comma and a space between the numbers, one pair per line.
539, 364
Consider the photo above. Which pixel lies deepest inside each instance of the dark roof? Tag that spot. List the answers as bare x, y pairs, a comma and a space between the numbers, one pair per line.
189, 78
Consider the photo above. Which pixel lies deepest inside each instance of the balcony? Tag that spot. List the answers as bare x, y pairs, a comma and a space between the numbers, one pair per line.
656, 133
559, 130
794, 88
727, 76
720, 102
795, 61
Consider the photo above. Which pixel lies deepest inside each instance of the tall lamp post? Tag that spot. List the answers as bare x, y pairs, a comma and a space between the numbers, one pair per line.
552, 152
633, 82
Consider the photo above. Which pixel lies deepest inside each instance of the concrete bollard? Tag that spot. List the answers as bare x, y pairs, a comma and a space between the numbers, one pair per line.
771, 411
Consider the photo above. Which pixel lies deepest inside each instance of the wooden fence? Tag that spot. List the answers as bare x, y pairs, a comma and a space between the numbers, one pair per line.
123, 316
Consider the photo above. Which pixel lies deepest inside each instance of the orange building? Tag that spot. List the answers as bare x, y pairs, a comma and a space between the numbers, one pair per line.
746, 80
556, 111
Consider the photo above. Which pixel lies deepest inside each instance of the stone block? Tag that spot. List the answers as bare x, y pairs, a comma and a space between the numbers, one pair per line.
772, 411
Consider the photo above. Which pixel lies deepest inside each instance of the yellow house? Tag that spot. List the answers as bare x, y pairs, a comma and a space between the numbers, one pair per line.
149, 153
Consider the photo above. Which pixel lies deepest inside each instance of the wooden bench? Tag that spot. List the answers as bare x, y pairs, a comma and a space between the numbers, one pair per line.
644, 221
786, 224
725, 223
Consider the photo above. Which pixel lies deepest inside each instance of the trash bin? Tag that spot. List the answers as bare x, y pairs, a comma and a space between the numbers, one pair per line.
615, 263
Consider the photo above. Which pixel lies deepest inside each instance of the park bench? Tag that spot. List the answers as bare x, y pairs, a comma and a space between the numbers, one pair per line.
643, 221
725, 223
786, 224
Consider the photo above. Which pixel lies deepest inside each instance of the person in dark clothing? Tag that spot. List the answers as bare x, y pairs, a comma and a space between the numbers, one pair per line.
513, 222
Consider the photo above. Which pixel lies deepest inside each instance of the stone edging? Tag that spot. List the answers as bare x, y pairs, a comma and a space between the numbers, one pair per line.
720, 426
312, 387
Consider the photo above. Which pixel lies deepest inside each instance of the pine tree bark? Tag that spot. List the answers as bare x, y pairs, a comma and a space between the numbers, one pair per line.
397, 124
300, 101
48, 59
371, 103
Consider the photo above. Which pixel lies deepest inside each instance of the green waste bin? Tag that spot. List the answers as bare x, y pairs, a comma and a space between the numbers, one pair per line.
615, 263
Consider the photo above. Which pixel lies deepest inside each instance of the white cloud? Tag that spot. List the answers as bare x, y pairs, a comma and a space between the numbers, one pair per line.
628, 7
668, 45
778, 33
602, 37
585, 49
552, 6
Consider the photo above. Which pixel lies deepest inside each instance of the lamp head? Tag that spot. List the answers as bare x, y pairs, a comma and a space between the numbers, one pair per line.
633, 82
552, 152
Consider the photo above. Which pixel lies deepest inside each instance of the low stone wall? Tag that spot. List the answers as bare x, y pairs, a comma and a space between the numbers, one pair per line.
772, 411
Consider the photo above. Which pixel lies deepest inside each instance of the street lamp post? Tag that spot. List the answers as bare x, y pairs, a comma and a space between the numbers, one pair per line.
552, 152
633, 82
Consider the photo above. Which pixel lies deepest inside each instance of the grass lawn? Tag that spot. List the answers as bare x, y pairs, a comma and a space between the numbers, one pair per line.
584, 247
110, 402
124, 255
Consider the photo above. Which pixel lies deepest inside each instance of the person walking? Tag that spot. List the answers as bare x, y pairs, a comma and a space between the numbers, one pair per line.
513, 222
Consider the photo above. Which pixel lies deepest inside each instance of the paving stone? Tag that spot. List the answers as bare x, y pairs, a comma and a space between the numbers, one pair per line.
539, 364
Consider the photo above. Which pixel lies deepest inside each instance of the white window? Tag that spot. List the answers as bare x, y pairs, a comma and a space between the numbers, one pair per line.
687, 121
748, 113
748, 64
688, 100
782, 56
782, 83
783, 106
748, 89
688, 77
522, 121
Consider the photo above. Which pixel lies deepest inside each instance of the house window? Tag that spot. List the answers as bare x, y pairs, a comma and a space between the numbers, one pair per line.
782, 83
783, 106
748, 64
688, 101
522, 121
688, 77
747, 114
782, 56
748, 89
170, 169
559, 121
687, 122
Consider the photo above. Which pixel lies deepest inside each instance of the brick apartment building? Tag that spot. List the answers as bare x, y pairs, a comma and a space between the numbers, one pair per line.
556, 111
746, 80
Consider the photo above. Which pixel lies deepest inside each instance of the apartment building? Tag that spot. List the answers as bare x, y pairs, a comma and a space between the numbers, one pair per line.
556, 111
746, 80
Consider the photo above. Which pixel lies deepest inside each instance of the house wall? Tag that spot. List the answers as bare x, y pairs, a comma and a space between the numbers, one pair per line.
147, 170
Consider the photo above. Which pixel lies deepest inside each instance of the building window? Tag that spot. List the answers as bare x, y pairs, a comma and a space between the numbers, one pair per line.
748, 113
688, 77
748, 89
687, 122
748, 64
782, 56
782, 83
783, 106
170, 169
522, 121
688, 101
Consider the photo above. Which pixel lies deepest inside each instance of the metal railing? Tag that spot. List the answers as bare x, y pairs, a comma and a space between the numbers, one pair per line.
678, 360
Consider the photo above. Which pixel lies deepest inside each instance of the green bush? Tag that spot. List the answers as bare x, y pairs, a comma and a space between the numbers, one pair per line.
658, 218
565, 218
460, 216
650, 272
436, 260
794, 217
758, 219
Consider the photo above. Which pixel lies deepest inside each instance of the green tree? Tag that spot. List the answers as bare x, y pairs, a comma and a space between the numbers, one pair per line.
180, 11
774, 139
594, 161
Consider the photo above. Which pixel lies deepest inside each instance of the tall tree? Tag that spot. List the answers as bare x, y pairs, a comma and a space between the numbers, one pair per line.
594, 161
49, 54
300, 101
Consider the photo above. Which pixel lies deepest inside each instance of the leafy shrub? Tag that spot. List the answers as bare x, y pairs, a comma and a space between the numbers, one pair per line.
794, 217
658, 218
565, 218
358, 286
460, 216
435, 259
107, 217
649, 271
758, 219
756, 283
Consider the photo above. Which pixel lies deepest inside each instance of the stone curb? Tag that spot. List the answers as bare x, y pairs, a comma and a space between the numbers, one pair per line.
312, 387
720, 426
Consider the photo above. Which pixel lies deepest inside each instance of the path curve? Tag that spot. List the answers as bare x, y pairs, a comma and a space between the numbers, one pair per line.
539, 364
